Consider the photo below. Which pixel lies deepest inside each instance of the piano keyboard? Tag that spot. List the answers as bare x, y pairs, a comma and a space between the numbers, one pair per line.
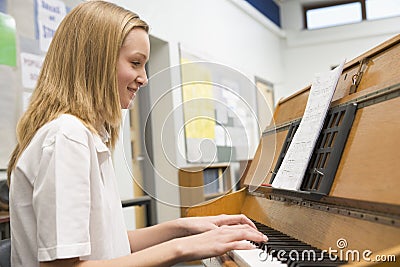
279, 250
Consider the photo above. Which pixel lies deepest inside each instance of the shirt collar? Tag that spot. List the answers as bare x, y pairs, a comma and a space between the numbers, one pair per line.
104, 134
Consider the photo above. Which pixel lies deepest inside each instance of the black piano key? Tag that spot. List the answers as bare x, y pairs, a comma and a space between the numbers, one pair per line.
289, 247
285, 242
278, 237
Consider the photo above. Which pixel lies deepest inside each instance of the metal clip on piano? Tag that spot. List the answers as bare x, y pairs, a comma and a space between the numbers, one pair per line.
348, 209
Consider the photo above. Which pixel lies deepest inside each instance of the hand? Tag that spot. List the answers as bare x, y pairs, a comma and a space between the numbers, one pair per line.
197, 225
219, 241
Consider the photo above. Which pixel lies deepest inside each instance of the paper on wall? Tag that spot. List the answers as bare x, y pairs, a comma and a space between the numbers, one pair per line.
49, 15
30, 68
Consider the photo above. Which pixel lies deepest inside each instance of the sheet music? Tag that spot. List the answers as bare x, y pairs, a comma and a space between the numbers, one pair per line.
291, 172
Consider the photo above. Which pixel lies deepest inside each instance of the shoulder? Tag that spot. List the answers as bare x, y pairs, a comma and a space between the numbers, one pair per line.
66, 134
66, 126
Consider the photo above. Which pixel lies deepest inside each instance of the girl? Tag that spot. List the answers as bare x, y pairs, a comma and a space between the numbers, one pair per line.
64, 206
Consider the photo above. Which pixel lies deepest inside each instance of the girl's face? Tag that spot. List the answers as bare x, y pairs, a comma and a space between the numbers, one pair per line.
131, 73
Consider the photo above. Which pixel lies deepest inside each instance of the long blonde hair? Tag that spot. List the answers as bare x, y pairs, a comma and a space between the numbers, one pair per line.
78, 76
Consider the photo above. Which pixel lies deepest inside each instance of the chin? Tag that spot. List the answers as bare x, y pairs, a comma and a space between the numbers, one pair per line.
130, 104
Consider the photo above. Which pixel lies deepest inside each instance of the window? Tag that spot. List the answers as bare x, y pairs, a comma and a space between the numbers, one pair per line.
341, 12
333, 15
377, 9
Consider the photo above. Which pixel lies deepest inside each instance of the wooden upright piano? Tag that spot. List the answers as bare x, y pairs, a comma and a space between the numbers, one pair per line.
349, 202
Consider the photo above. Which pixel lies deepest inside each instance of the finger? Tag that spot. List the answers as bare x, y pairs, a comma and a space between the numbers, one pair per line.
241, 245
235, 219
248, 221
242, 232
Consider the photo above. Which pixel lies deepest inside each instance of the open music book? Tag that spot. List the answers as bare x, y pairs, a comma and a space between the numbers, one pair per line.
291, 172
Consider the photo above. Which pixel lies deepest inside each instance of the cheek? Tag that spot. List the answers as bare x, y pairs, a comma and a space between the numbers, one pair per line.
124, 72
121, 83
122, 76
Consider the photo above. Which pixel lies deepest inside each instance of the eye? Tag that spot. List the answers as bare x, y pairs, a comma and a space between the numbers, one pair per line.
136, 63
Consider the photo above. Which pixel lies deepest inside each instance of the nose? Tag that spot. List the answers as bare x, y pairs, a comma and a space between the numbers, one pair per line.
142, 79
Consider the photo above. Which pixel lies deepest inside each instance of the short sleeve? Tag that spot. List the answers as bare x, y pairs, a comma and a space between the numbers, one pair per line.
61, 199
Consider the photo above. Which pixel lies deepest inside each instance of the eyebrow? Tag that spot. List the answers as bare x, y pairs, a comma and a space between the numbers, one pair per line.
140, 54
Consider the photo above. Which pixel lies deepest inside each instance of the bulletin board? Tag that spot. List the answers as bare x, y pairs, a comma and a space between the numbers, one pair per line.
26, 30
8, 81
219, 112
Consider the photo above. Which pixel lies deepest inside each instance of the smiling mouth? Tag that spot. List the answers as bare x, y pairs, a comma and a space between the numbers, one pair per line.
132, 90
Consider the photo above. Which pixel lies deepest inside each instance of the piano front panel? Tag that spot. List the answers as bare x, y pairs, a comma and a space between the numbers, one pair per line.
369, 169
380, 72
383, 70
265, 158
227, 204
292, 107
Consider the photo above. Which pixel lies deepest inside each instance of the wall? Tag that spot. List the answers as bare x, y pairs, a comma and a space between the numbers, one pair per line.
216, 30
308, 52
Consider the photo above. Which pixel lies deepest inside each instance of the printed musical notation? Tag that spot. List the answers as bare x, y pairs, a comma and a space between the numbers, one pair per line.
295, 162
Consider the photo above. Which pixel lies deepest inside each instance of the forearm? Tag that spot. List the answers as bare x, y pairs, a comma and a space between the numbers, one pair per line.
146, 237
166, 254
194, 247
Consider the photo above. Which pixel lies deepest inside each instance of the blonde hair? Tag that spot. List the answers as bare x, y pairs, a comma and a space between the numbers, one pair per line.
79, 76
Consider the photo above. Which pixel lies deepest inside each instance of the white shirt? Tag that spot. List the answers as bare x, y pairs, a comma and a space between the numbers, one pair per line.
64, 201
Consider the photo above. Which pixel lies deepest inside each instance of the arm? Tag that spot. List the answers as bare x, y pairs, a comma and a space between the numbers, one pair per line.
149, 236
146, 237
208, 244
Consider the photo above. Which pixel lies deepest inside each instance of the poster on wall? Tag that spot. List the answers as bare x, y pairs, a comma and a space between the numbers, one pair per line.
8, 55
198, 112
8, 83
220, 123
49, 14
8, 110
30, 68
